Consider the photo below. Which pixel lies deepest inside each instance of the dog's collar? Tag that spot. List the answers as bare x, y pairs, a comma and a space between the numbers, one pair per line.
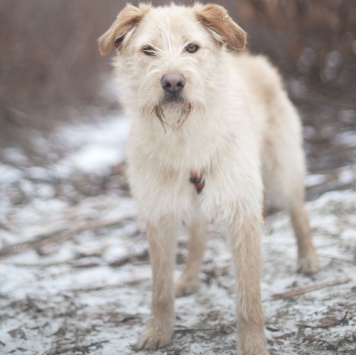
197, 179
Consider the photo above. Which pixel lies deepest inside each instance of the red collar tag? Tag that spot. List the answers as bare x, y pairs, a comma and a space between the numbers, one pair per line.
197, 179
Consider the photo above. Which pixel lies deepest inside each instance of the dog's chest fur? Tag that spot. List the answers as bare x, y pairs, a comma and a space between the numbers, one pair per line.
198, 146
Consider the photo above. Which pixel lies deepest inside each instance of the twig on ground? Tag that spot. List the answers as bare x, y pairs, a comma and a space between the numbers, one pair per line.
37, 265
143, 255
301, 291
59, 236
344, 260
83, 349
106, 287
272, 329
188, 330
312, 339
333, 324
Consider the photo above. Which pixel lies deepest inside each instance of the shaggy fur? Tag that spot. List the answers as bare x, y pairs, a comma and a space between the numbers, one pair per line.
231, 123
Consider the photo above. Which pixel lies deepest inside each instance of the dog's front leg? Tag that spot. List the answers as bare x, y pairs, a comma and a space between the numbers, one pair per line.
189, 281
244, 238
162, 248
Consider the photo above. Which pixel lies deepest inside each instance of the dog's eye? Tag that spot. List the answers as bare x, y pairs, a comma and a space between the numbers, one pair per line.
148, 50
191, 48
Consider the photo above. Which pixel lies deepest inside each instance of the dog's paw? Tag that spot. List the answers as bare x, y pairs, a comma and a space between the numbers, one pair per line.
308, 264
256, 347
185, 287
153, 339
259, 352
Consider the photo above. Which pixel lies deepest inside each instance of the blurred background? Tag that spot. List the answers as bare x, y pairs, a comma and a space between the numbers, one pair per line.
51, 74
72, 255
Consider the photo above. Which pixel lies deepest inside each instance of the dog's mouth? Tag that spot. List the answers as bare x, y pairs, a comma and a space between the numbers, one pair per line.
172, 110
172, 97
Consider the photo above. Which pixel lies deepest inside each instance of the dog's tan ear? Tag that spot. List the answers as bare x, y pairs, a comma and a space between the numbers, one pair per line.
126, 21
216, 19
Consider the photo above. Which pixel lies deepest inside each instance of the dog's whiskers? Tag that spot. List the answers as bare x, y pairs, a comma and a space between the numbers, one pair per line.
185, 113
160, 115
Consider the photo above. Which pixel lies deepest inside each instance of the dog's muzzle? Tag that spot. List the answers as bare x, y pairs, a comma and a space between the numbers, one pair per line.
173, 107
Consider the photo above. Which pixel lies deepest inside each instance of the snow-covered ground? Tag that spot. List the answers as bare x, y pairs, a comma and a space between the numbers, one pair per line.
75, 275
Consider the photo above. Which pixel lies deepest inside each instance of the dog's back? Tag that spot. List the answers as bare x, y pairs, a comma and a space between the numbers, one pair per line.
278, 122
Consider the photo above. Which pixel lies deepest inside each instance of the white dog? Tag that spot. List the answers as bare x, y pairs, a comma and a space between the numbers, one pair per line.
210, 129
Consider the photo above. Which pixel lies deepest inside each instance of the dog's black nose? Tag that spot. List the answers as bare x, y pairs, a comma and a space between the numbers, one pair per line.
173, 82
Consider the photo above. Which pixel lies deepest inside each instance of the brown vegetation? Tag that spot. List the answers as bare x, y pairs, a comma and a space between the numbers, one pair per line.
313, 39
49, 58
49, 55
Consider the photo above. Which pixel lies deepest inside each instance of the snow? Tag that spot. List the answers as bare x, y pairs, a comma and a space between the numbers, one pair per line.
316, 179
89, 292
98, 147
8, 173
346, 138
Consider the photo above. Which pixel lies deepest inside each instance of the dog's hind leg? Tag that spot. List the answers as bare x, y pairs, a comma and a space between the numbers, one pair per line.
284, 173
307, 258
189, 280
286, 186
162, 249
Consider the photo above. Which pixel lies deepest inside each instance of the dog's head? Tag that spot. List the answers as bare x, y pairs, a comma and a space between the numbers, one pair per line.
170, 59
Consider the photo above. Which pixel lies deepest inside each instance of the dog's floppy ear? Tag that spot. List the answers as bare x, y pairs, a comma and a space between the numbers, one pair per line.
126, 21
216, 19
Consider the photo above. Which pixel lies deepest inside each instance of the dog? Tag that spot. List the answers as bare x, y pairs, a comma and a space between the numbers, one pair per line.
212, 128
